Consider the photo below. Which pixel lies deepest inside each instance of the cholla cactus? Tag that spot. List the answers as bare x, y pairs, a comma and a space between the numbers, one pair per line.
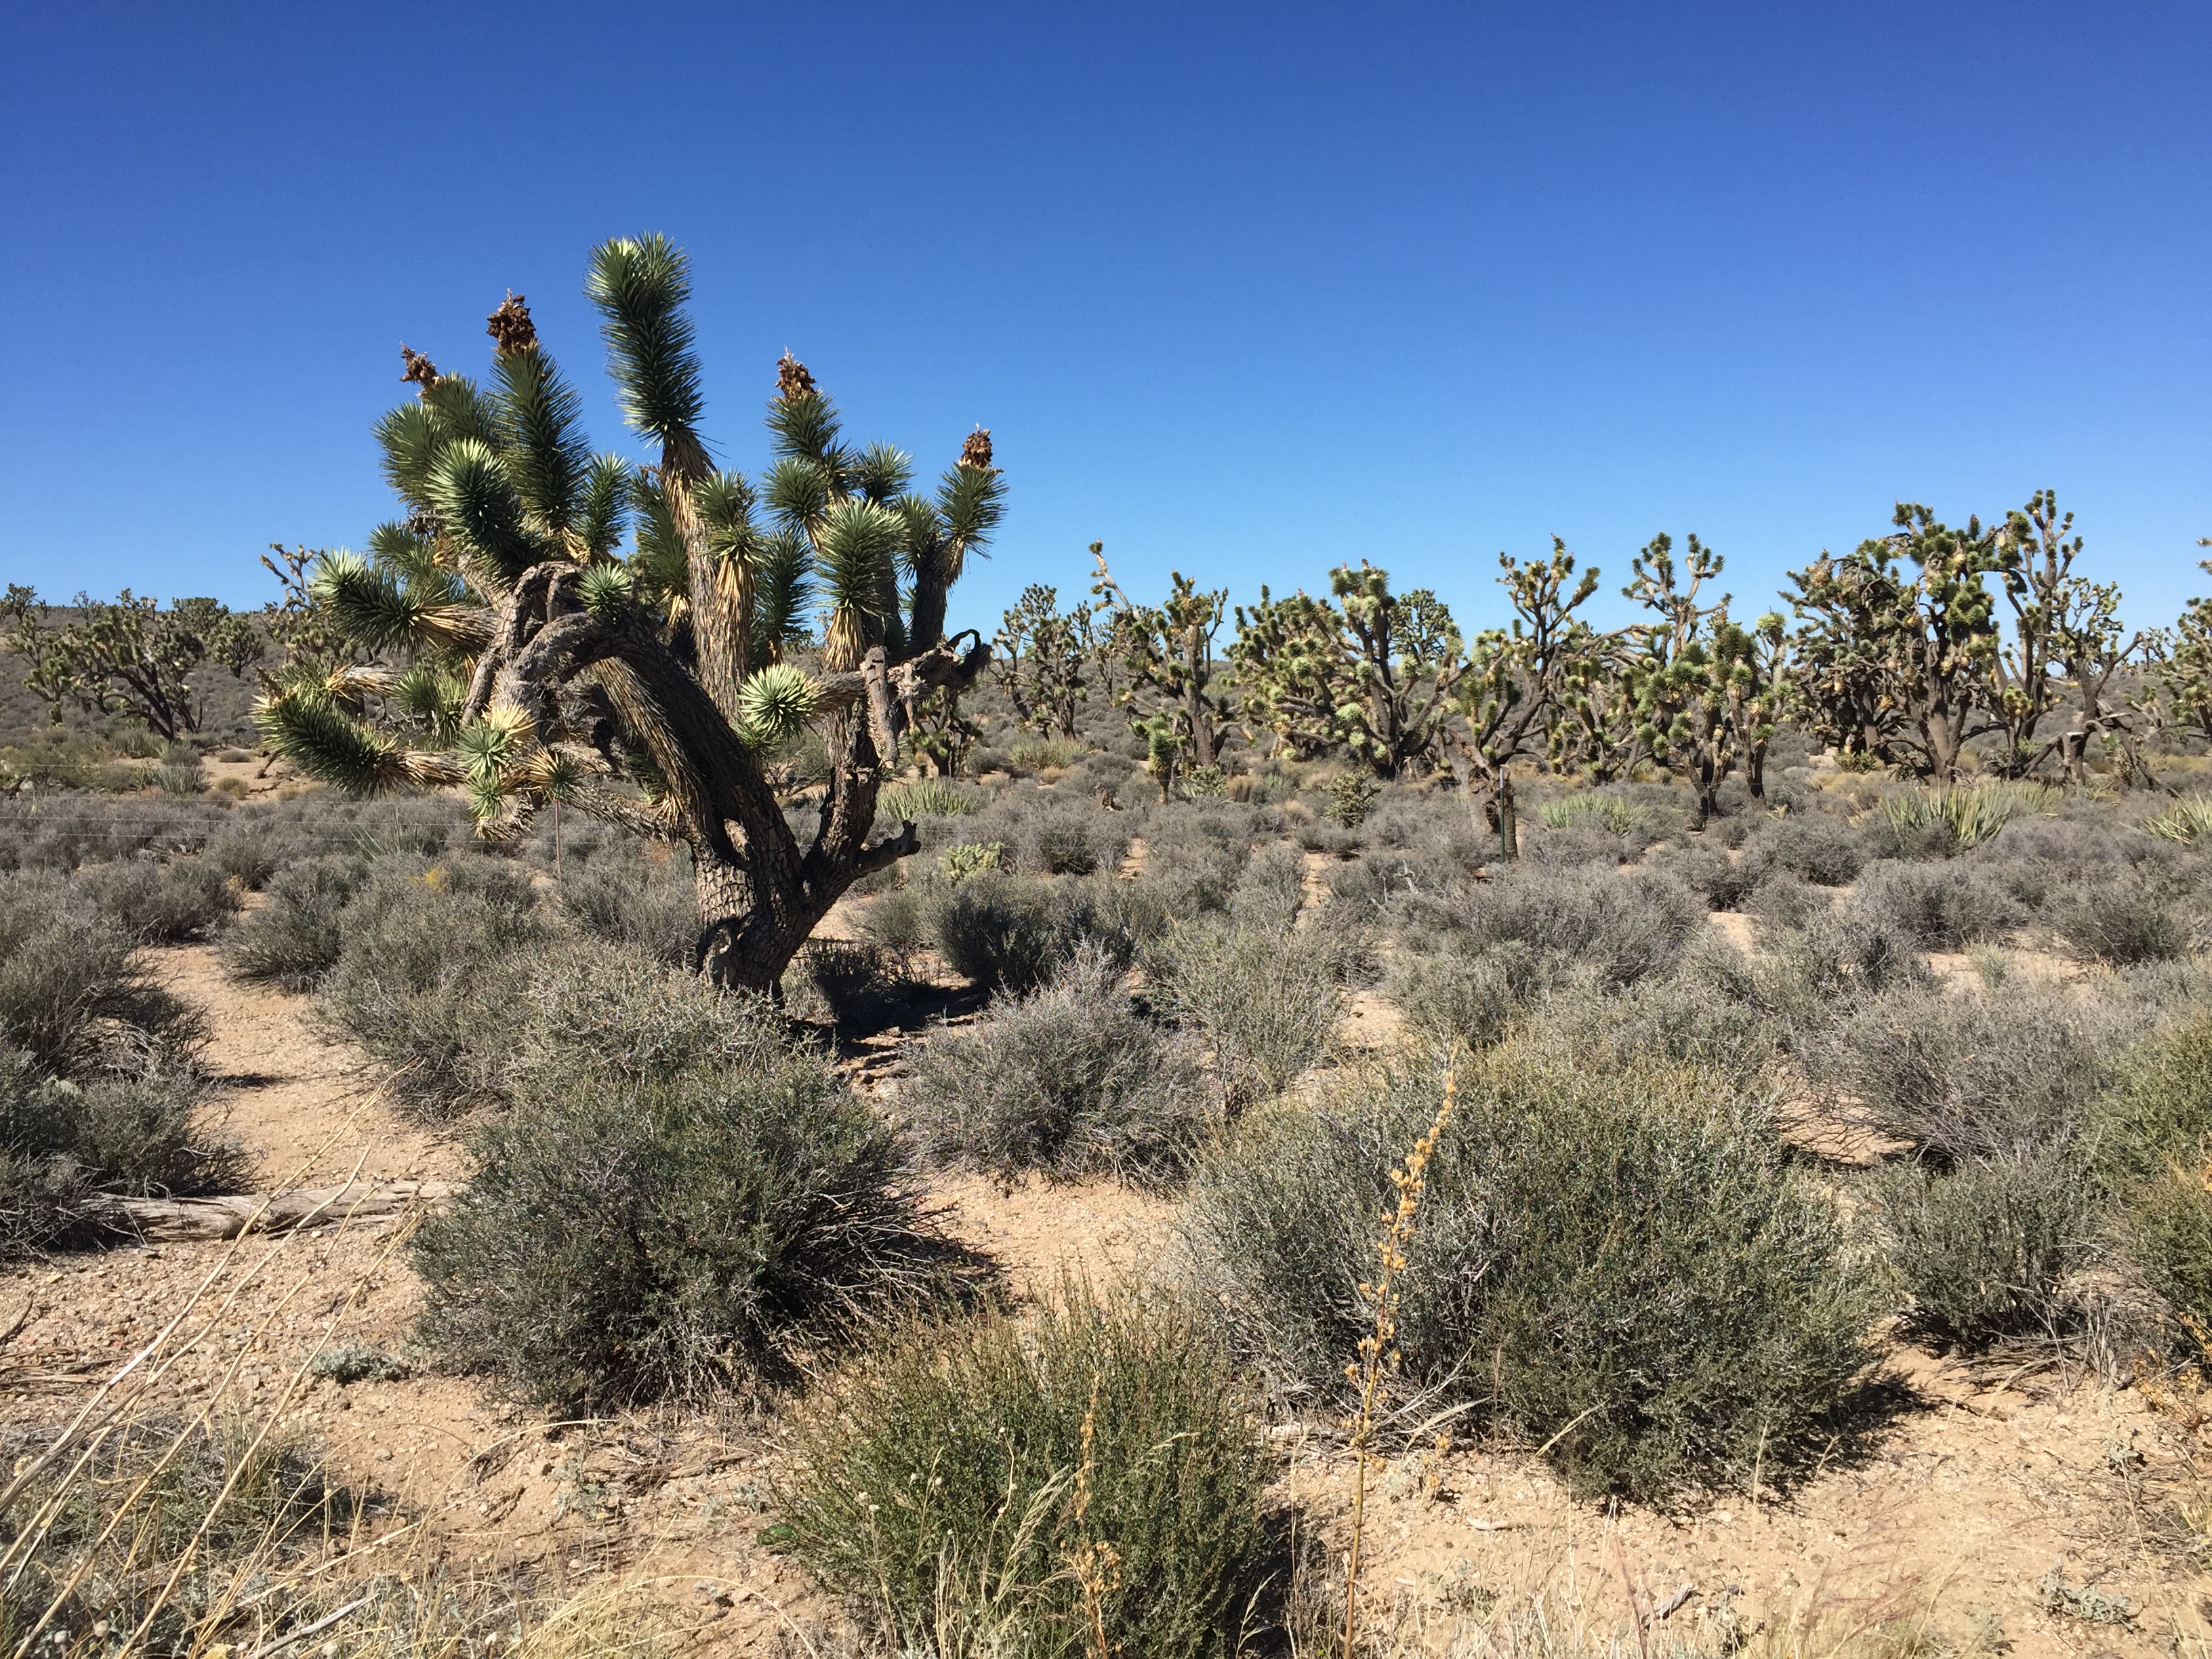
514, 649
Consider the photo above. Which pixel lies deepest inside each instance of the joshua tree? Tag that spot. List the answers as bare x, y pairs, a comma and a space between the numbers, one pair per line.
1898, 664
1168, 650
524, 657
1041, 658
1368, 669
1516, 678
127, 656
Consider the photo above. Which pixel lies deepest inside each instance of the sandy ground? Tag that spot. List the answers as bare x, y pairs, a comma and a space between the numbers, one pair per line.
1983, 1486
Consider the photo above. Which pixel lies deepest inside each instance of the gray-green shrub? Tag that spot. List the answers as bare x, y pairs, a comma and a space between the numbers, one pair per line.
1986, 1253
1011, 933
296, 936
626, 1241
1266, 1005
1069, 1080
1618, 1264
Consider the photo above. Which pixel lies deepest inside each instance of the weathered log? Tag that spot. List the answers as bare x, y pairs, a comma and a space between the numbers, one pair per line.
231, 1214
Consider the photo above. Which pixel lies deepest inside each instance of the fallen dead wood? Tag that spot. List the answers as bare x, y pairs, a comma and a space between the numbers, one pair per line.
162, 1219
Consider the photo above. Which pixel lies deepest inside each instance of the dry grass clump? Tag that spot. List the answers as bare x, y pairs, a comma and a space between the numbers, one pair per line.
1069, 1080
641, 1230
1616, 1264
1088, 1483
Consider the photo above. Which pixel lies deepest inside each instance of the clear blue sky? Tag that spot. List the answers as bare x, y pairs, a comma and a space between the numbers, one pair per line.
1247, 291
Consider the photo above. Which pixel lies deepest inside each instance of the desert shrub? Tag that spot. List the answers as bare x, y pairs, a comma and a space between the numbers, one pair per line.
1941, 823
1942, 906
1454, 999
1780, 900
1723, 882
1370, 887
1973, 1078
1814, 972
1815, 846
70, 993
1689, 1017
1069, 1080
2166, 1225
2157, 1112
1266, 1005
645, 904
247, 852
1622, 926
1194, 855
1984, 1252
2187, 822
945, 1487
1269, 892
1618, 1264
1573, 849
899, 920
1630, 827
658, 1239
1326, 836
1011, 933
591, 1011
162, 903
2121, 919
1045, 754
296, 937
856, 979
433, 961
65, 1143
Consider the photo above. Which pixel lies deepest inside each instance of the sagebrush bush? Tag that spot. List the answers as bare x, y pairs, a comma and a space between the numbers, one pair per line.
1193, 853
1069, 1080
1815, 846
1723, 882
645, 903
162, 903
1944, 905
1973, 1076
294, 938
2121, 920
1986, 1252
70, 994
1469, 999
434, 960
949, 1486
856, 979
1622, 926
64, 1143
591, 1011
1814, 971
1266, 1005
624, 1242
1616, 1263
1012, 932
1269, 893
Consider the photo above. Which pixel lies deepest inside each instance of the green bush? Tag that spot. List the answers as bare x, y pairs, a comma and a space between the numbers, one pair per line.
1012, 932
296, 937
434, 961
1617, 1263
2157, 1112
2166, 1225
1070, 1081
947, 1488
1984, 1252
1623, 927
627, 1242
1943, 906
1266, 1005
1813, 847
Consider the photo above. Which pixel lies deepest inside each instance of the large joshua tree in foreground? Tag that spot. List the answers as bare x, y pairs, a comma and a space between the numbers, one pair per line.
517, 651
